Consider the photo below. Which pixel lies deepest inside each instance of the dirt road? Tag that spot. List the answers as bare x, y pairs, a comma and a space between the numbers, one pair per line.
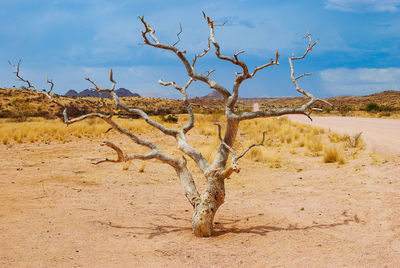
380, 135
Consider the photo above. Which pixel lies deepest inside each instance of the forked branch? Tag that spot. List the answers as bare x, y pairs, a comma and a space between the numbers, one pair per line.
182, 143
154, 42
294, 79
306, 109
185, 99
240, 77
235, 157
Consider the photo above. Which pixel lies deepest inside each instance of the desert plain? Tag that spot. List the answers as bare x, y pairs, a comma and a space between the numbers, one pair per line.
60, 210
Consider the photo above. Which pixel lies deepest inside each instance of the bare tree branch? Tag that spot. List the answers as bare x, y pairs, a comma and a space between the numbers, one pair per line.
309, 47
240, 77
185, 99
303, 109
182, 143
294, 79
123, 157
51, 83
272, 62
205, 51
17, 73
178, 35
107, 118
235, 159
234, 60
300, 76
103, 102
189, 68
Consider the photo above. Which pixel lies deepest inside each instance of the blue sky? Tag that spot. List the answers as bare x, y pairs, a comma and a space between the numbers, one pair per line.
358, 52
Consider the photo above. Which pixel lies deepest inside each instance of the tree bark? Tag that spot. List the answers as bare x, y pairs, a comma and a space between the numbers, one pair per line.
211, 200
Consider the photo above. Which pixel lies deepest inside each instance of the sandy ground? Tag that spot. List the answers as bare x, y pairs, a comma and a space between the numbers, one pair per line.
380, 135
58, 210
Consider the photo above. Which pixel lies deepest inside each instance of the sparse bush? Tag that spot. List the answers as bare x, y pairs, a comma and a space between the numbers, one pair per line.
344, 110
372, 107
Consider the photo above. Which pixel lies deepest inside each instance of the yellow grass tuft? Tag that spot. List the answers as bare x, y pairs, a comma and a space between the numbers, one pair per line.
265, 155
333, 154
314, 144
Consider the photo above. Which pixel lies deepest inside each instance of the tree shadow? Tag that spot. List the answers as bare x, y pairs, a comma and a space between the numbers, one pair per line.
262, 230
222, 227
150, 231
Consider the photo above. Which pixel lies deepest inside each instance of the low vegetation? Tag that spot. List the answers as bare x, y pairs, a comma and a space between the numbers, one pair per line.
22, 104
282, 136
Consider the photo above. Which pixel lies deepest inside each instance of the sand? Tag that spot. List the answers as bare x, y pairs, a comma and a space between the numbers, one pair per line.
58, 210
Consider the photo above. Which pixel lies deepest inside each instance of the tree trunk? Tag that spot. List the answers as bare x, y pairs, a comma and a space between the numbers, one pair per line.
211, 200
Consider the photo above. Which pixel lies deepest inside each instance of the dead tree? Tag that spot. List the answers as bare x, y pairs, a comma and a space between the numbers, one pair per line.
216, 172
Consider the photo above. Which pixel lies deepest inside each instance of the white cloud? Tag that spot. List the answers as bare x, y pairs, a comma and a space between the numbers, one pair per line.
361, 81
364, 5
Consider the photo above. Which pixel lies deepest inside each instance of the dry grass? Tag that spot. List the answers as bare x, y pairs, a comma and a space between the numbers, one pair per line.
333, 154
282, 136
44, 131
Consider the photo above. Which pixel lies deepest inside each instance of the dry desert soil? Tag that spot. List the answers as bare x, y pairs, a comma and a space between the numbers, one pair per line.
59, 210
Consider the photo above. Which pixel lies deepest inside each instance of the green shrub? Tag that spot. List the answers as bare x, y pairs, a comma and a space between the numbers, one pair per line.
170, 118
372, 107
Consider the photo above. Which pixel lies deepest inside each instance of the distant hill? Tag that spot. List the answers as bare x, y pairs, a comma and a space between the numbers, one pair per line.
17, 102
71, 93
387, 100
121, 92
213, 94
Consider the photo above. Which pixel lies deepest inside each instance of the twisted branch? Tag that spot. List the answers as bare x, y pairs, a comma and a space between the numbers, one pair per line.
123, 157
